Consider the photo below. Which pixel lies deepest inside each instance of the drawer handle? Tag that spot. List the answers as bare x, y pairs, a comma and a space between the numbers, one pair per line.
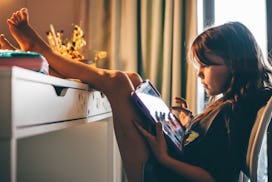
60, 91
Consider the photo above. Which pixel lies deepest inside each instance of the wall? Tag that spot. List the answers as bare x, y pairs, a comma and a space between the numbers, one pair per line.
91, 15
61, 13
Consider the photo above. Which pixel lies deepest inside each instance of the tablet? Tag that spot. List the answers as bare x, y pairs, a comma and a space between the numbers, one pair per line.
148, 100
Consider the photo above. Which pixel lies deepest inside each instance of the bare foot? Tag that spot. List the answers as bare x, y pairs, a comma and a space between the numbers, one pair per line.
23, 33
5, 44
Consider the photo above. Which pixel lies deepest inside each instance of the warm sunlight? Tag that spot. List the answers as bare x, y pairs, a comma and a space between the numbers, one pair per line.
249, 12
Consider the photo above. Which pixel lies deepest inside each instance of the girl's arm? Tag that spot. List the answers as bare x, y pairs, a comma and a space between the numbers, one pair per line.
159, 149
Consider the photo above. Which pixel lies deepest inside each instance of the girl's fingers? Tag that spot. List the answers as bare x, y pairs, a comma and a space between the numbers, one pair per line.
151, 138
182, 109
159, 132
181, 101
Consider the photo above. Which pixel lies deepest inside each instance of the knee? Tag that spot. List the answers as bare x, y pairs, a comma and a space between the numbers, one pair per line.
118, 76
135, 78
119, 80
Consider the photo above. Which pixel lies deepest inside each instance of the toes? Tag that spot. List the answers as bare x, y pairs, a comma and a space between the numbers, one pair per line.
10, 22
5, 44
24, 13
18, 17
2, 38
14, 19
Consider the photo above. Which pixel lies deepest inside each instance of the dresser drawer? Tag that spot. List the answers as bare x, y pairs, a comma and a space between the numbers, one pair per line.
29, 98
97, 103
36, 103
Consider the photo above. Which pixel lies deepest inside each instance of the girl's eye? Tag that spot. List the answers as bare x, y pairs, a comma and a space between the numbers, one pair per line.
199, 65
204, 66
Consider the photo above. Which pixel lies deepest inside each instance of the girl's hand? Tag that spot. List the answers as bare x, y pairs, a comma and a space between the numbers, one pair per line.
157, 143
184, 114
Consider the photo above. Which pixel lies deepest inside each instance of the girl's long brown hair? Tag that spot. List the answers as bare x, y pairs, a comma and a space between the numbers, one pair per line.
237, 46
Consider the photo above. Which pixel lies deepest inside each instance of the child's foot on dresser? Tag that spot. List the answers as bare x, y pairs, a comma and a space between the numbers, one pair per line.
5, 44
23, 33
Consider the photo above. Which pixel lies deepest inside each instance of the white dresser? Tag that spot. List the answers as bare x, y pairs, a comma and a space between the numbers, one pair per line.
54, 129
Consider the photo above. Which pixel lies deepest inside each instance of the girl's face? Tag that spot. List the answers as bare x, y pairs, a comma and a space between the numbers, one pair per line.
215, 77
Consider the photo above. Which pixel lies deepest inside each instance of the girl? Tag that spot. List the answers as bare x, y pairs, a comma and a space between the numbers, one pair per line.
232, 71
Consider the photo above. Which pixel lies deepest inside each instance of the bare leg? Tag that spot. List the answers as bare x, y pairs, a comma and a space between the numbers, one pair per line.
53, 72
116, 85
5, 44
